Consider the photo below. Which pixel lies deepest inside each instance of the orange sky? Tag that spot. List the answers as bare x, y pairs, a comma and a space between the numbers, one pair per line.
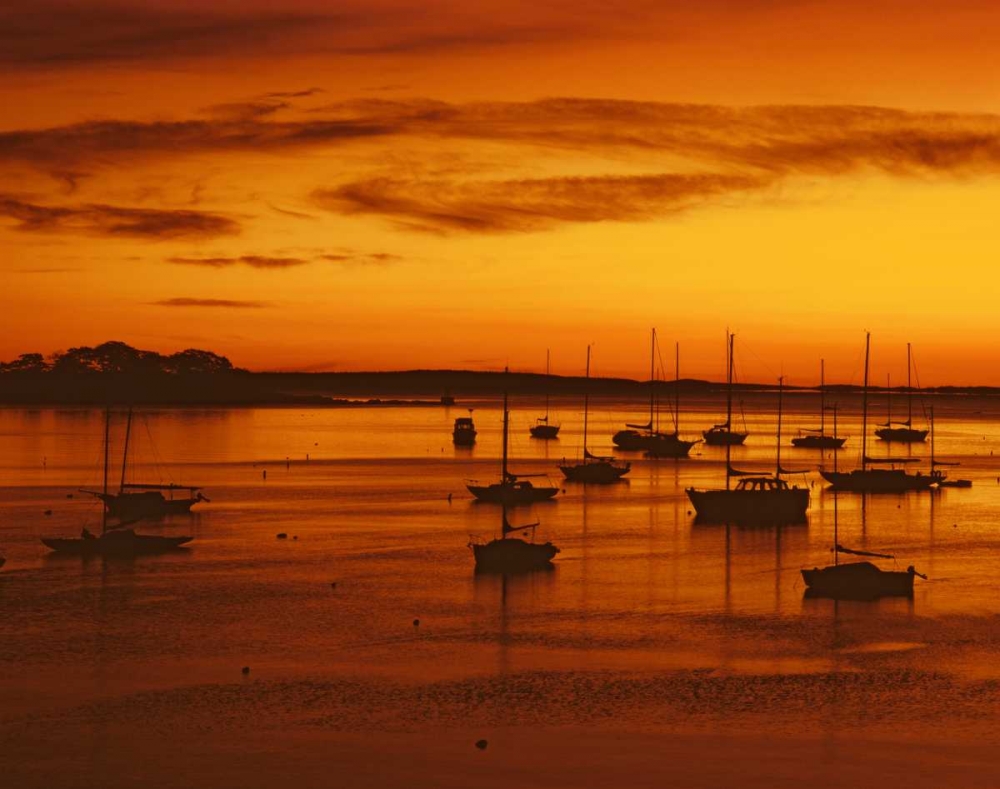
383, 185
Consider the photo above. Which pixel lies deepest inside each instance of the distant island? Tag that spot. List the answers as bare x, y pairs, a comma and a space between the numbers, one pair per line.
116, 373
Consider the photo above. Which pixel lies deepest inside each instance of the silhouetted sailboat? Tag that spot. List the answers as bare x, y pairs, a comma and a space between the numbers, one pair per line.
648, 438
543, 428
818, 439
877, 480
723, 435
594, 469
512, 489
464, 432
509, 554
136, 500
757, 498
905, 433
671, 445
857, 580
114, 540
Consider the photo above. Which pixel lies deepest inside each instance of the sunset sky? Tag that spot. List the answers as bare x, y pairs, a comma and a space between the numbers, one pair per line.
388, 185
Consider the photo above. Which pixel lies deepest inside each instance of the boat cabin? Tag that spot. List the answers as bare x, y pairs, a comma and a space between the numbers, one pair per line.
762, 484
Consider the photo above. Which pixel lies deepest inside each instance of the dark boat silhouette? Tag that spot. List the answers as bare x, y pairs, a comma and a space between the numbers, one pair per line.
857, 580
512, 489
648, 438
818, 439
878, 480
114, 540
509, 554
464, 432
723, 435
757, 498
594, 469
543, 428
136, 500
904, 432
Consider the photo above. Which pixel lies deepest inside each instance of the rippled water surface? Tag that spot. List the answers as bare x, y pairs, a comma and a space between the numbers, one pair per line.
658, 651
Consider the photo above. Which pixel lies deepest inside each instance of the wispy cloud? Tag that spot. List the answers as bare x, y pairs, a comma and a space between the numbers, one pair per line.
109, 220
689, 154
352, 258
526, 205
183, 301
253, 261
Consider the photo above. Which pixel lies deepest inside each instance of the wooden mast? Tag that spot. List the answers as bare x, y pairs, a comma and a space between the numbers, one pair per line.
822, 397
677, 389
652, 377
546, 386
107, 444
128, 433
506, 419
729, 405
586, 405
909, 390
864, 406
781, 381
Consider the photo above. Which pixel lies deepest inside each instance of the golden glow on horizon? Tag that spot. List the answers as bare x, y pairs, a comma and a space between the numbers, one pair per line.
422, 208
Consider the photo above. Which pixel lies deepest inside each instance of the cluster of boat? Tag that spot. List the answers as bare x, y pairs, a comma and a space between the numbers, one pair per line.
121, 510
756, 498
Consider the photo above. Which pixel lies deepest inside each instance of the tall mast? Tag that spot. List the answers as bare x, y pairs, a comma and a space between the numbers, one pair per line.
586, 404
729, 403
107, 444
729, 386
864, 406
546, 386
909, 390
781, 380
677, 389
506, 419
888, 401
128, 432
652, 375
822, 397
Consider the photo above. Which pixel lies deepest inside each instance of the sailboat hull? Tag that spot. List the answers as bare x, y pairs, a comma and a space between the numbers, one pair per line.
750, 506
120, 542
666, 445
519, 493
878, 480
513, 555
901, 435
857, 581
723, 438
818, 442
148, 504
546, 432
596, 473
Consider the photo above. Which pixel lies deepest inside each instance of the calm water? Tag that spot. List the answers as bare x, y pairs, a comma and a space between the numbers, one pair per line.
658, 652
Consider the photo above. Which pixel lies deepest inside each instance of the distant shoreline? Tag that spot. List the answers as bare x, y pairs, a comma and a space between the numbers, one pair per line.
410, 388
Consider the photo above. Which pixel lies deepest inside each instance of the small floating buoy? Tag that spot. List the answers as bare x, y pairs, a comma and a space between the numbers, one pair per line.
481, 744
281, 535
295, 536
416, 623
246, 670
333, 584
48, 512
70, 495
